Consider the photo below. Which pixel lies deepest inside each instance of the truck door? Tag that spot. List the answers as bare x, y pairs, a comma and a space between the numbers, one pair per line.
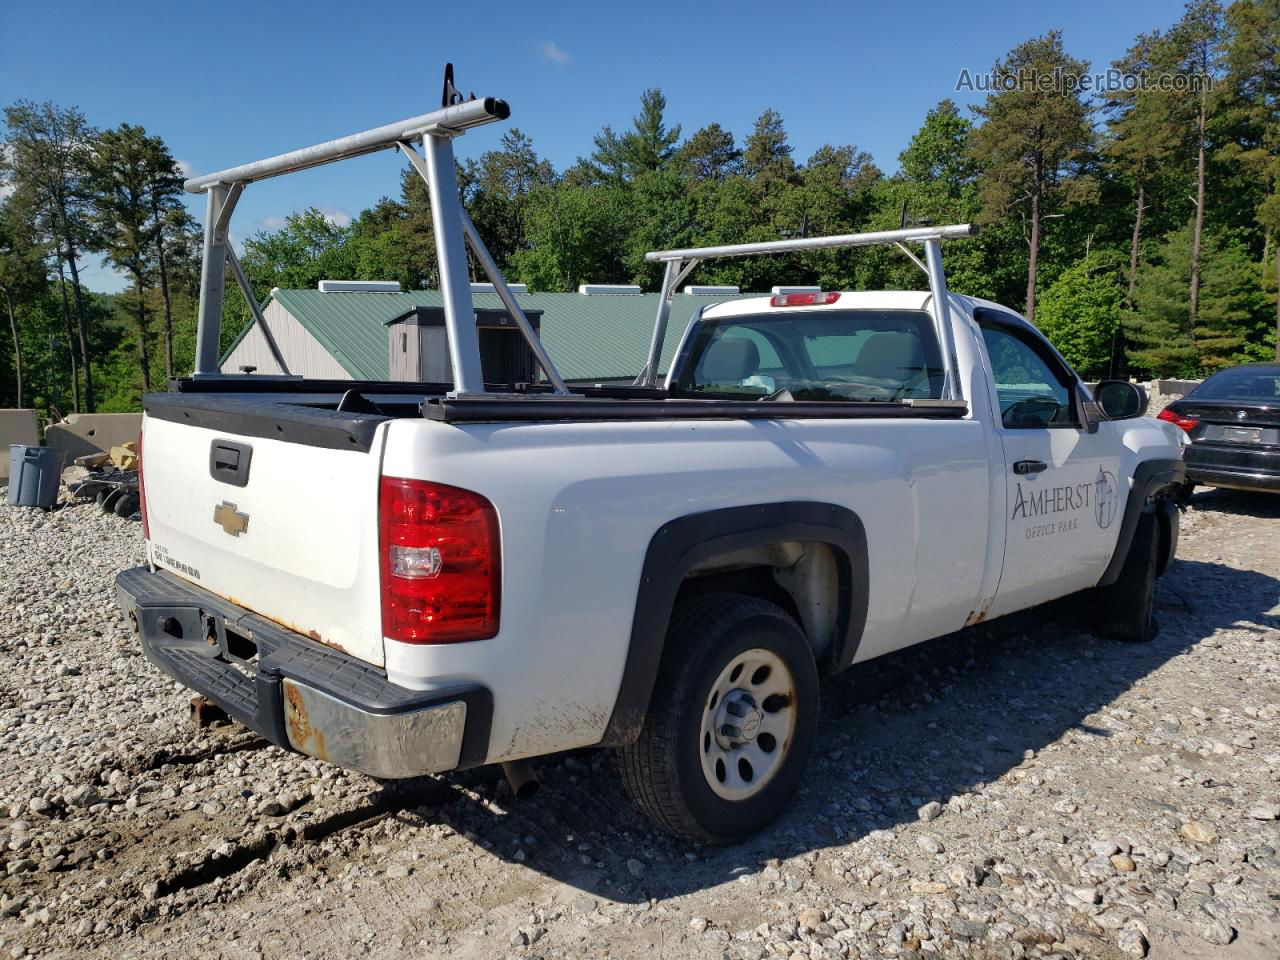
1062, 498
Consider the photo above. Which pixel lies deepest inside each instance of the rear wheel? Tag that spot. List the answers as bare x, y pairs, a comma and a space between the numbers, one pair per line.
1123, 610
731, 723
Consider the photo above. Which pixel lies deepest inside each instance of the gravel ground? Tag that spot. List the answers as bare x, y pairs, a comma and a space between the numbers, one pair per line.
1022, 789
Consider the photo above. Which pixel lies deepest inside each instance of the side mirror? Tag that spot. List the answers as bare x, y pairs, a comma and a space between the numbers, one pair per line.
1120, 399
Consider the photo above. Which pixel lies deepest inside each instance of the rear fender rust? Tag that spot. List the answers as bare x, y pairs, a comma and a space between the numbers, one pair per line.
977, 616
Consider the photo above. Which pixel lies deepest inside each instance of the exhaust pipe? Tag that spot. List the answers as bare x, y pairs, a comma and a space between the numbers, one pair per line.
522, 778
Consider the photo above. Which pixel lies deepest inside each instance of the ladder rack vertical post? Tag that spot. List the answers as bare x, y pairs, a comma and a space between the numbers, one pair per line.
451, 257
221, 200
940, 305
649, 375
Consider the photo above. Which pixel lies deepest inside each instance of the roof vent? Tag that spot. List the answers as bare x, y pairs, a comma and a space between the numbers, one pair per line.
597, 289
358, 286
490, 288
782, 290
710, 291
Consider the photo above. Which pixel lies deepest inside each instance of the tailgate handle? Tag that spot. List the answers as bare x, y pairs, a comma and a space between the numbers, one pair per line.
229, 462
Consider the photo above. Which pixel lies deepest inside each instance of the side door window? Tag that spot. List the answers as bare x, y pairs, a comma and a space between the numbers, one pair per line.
1061, 488
1032, 389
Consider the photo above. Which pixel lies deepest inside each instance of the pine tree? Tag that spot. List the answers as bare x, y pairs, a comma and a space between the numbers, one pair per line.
1253, 62
649, 145
46, 156
1232, 313
1196, 50
168, 218
710, 155
1034, 143
1143, 135
123, 228
767, 158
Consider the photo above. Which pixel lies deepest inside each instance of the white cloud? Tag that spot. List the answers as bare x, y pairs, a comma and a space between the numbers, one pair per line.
553, 52
186, 169
337, 216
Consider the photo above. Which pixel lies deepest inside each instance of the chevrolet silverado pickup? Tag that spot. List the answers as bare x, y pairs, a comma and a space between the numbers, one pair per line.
408, 578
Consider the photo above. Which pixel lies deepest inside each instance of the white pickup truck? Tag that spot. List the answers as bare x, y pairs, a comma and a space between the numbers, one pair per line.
409, 578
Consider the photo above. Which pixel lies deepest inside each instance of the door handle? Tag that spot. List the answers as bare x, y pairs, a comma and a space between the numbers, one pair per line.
1030, 466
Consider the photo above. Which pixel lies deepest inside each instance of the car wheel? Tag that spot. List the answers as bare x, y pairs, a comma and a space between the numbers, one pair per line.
731, 723
1123, 609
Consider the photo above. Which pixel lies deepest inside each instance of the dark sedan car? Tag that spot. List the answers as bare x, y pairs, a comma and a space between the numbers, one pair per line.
1233, 422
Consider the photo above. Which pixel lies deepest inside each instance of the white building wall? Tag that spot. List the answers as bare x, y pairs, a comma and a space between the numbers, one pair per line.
302, 352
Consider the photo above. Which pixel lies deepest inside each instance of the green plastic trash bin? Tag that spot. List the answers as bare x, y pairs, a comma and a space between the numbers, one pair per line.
34, 475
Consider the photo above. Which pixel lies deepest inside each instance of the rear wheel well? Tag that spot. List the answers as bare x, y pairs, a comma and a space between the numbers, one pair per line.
801, 577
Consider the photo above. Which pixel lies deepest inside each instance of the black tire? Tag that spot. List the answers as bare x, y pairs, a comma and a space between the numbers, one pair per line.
127, 505
662, 770
1123, 610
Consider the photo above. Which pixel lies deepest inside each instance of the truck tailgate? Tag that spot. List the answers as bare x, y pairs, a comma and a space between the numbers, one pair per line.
296, 543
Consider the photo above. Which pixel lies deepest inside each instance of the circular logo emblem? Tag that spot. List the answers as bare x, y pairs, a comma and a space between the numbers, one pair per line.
1106, 498
1242, 415
750, 725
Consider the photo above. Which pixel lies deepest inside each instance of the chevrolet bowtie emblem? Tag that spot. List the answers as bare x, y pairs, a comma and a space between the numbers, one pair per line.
231, 520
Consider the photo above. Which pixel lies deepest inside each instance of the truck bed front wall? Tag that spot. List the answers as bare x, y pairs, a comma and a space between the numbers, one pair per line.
297, 544
579, 502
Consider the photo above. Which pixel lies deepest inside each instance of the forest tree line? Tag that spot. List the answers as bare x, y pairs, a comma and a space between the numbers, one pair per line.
1137, 226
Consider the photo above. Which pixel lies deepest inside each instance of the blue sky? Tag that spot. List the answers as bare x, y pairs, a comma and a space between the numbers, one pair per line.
228, 82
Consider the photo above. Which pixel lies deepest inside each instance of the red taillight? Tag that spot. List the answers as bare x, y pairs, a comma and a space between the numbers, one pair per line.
1186, 423
810, 299
142, 493
440, 562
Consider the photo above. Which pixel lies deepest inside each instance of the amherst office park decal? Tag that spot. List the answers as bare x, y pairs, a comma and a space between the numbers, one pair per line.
1059, 508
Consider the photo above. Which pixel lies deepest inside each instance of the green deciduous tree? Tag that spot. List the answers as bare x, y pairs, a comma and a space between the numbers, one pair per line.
577, 234
1080, 314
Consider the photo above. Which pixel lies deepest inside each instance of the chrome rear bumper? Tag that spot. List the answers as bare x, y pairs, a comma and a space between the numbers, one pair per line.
299, 694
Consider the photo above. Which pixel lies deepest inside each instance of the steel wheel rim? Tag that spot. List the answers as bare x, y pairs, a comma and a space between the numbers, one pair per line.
748, 724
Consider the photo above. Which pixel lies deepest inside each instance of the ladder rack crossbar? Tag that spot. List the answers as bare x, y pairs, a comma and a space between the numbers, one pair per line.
448, 120
797, 244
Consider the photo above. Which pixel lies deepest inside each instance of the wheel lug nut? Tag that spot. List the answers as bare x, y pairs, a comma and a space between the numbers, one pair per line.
730, 731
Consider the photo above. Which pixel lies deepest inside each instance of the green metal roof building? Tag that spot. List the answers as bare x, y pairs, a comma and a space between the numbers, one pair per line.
343, 334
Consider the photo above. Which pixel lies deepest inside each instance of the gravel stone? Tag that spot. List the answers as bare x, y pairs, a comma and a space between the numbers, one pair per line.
127, 831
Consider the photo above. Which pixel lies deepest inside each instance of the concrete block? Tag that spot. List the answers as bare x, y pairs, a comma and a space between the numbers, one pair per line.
84, 433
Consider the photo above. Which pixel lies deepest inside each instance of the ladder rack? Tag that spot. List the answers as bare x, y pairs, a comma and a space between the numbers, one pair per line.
454, 231
680, 263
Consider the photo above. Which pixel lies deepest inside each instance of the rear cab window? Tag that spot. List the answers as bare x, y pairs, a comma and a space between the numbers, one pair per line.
816, 355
